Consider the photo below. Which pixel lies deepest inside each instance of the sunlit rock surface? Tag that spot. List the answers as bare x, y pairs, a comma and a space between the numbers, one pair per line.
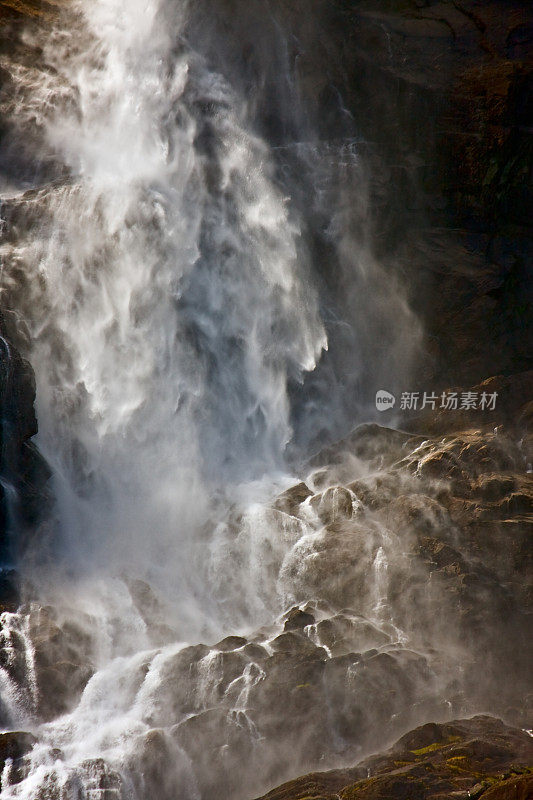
411, 602
475, 758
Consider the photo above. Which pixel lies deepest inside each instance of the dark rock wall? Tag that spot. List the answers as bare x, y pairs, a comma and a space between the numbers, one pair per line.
436, 95
23, 472
24, 495
441, 93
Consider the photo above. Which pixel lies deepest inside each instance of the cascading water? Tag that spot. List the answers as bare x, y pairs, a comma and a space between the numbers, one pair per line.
170, 284
170, 298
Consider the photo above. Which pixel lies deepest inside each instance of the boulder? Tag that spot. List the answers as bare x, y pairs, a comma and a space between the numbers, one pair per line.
14, 745
296, 619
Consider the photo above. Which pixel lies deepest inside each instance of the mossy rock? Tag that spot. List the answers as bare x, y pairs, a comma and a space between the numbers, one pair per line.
475, 758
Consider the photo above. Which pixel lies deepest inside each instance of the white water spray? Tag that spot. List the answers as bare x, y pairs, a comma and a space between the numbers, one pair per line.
168, 302
165, 286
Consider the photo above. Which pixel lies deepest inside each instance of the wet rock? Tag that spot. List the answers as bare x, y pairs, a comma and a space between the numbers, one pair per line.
158, 768
100, 779
336, 503
62, 658
13, 747
289, 500
452, 138
449, 548
417, 514
377, 490
492, 488
319, 479
48, 660
342, 634
334, 563
525, 417
227, 667
225, 740
476, 453
15, 744
291, 642
231, 643
186, 683
296, 619
255, 652
286, 706
151, 610
9, 590
442, 465
511, 409
46, 9
23, 471
518, 787
377, 445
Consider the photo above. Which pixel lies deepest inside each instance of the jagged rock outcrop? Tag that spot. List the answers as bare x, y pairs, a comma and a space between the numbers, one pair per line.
473, 758
13, 746
45, 661
464, 516
409, 599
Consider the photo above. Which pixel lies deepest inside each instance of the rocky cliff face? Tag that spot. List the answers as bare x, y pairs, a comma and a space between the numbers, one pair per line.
410, 583
442, 91
24, 501
410, 594
475, 758
437, 95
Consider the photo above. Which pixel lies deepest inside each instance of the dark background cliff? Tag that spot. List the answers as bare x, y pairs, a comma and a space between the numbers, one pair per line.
437, 97
446, 89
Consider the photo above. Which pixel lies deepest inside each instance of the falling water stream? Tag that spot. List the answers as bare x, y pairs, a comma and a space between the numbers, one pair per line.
178, 327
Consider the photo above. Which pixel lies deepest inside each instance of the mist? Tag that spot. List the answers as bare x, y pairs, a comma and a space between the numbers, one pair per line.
190, 267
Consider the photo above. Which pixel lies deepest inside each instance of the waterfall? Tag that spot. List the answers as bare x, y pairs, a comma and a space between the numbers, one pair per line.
169, 306
170, 299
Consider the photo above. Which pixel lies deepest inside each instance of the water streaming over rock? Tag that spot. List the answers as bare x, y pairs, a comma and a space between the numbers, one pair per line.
163, 265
